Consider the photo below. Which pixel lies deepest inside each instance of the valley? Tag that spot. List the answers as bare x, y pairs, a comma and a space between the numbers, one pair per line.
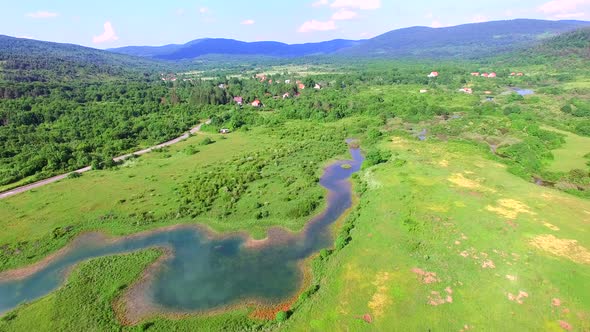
318, 192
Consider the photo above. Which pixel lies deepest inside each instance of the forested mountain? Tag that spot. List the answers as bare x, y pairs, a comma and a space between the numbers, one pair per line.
469, 40
26, 60
206, 46
575, 42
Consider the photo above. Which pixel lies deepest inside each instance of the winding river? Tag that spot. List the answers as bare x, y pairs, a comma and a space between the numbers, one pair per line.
204, 271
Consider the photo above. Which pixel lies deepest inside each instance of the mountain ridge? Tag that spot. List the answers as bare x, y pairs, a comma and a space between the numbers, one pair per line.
465, 40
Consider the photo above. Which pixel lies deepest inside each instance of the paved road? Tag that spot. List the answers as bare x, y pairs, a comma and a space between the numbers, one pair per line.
41, 183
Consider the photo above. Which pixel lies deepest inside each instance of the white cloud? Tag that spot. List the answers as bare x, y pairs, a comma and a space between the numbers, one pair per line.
479, 19
203, 10
108, 34
562, 6
320, 3
429, 15
180, 12
437, 24
248, 22
314, 25
25, 37
42, 14
357, 4
344, 14
570, 15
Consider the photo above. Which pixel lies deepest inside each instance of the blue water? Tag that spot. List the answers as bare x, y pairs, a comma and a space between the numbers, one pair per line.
524, 92
206, 272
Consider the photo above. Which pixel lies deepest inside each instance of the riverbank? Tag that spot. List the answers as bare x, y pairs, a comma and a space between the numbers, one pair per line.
136, 306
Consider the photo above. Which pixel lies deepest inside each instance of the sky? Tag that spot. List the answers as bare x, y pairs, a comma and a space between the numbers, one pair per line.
114, 23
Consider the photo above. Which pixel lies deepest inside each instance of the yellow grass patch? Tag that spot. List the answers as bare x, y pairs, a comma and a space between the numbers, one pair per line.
569, 249
551, 226
443, 163
460, 204
509, 208
398, 141
380, 299
439, 208
460, 180
353, 276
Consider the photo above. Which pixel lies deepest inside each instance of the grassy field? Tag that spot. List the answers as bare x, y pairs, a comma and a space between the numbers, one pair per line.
453, 238
572, 154
153, 190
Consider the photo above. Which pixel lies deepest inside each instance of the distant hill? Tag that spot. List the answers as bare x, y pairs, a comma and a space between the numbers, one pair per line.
200, 47
468, 40
574, 42
27, 60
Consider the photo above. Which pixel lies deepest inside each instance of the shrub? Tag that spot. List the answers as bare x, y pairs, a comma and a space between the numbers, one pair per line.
281, 316
375, 157
341, 241
207, 141
74, 175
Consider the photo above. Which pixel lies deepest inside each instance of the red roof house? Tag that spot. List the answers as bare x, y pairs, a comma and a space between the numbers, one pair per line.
474, 74
256, 103
301, 86
238, 100
492, 75
433, 74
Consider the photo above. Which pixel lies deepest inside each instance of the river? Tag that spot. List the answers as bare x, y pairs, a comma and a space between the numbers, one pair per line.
206, 271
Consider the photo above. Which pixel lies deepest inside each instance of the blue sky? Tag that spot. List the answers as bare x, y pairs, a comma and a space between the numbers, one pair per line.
113, 23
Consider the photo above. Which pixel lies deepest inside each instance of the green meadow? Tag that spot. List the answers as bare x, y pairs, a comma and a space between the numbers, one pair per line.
453, 238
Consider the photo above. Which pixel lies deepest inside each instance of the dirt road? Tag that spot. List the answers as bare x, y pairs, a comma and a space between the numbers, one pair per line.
41, 183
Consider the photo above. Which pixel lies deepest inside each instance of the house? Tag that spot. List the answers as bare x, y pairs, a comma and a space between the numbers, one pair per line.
512, 74
239, 100
474, 74
286, 95
492, 75
301, 86
270, 81
485, 75
433, 74
317, 87
489, 98
466, 90
487, 92
423, 91
221, 86
287, 81
256, 103
224, 131
519, 74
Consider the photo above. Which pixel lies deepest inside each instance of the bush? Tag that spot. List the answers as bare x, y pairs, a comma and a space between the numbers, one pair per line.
282, 316
74, 175
207, 141
511, 110
376, 157
191, 150
341, 241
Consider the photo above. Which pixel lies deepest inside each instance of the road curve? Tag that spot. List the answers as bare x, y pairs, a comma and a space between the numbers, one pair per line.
41, 183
